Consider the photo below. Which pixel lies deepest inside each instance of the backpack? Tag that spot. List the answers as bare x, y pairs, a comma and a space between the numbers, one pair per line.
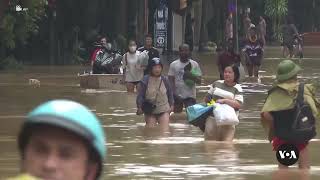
303, 126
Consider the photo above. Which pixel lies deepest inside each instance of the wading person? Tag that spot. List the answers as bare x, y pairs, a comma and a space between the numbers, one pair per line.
279, 117
155, 97
134, 63
246, 25
229, 27
183, 74
227, 58
62, 140
152, 52
262, 30
229, 92
253, 52
289, 33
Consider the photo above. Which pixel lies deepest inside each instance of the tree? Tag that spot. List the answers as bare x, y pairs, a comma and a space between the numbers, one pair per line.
276, 10
19, 22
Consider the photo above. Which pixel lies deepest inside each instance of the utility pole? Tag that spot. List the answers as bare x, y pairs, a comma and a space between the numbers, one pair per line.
237, 28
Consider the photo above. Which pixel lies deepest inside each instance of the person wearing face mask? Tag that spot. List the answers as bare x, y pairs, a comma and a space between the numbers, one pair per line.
134, 63
183, 80
155, 90
227, 58
253, 51
107, 60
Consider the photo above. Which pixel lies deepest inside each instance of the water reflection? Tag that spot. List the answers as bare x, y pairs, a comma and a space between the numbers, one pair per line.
291, 174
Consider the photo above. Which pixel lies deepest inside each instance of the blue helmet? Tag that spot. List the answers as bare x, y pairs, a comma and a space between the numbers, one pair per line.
71, 116
155, 61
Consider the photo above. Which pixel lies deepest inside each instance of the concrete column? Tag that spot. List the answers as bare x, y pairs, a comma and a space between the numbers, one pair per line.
178, 22
197, 8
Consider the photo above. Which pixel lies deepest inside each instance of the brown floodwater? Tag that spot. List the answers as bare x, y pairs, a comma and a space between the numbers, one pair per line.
137, 153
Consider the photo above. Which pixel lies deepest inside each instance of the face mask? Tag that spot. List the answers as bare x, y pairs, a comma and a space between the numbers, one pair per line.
108, 46
132, 48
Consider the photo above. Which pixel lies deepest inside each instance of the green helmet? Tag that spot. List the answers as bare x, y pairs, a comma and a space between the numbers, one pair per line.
71, 116
287, 69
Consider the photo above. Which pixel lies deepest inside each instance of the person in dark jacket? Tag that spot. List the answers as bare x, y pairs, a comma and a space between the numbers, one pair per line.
152, 52
155, 97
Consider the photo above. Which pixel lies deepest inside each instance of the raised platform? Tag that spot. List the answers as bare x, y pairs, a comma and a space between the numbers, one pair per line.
102, 81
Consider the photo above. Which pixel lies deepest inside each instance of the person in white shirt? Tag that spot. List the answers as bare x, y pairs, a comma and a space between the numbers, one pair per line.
183, 74
134, 63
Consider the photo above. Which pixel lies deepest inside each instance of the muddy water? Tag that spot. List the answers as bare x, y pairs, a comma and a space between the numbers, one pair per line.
137, 153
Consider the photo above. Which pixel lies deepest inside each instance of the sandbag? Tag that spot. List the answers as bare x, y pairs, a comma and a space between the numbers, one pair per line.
225, 115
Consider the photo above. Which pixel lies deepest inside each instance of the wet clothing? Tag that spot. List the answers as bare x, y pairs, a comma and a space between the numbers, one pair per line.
277, 142
177, 71
135, 83
180, 103
156, 90
152, 53
226, 59
134, 65
254, 51
106, 62
280, 103
219, 90
282, 124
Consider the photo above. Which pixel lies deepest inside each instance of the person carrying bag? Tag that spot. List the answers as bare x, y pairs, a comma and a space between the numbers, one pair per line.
155, 97
227, 93
290, 112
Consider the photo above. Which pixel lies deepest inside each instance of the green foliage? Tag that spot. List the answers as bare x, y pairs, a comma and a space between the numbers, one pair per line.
276, 10
17, 27
10, 63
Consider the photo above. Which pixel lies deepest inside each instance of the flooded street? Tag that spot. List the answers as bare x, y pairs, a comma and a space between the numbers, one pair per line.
137, 153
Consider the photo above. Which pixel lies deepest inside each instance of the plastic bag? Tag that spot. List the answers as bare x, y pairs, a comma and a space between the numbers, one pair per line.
225, 115
223, 94
189, 82
198, 113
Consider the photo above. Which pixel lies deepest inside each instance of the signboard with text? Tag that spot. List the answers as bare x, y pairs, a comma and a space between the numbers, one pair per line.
161, 26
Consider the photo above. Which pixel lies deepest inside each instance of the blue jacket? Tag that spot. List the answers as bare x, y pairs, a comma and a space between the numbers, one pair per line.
143, 85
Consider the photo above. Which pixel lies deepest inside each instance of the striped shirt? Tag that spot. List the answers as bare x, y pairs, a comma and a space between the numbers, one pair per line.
219, 90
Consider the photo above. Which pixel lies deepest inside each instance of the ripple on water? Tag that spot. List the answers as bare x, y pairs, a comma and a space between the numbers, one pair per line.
191, 140
200, 169
8, 138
